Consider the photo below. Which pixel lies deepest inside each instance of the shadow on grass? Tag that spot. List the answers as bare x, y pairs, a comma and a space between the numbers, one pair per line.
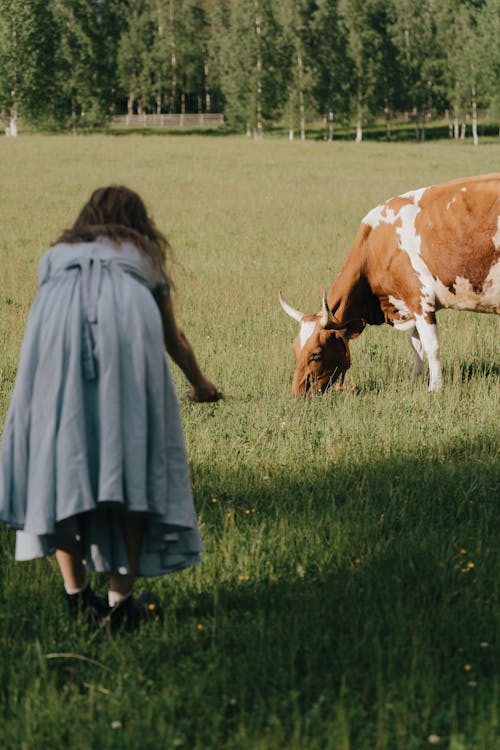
370, 591
469, 369
149, 131
479, 368
387, 579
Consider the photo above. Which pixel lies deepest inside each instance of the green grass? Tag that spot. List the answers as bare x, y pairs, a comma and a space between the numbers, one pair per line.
348, 596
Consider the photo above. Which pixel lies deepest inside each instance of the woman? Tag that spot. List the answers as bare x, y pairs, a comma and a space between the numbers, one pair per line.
93, 465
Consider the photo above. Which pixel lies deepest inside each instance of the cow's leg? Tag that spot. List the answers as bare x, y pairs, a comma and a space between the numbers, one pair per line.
418, 352
427, 332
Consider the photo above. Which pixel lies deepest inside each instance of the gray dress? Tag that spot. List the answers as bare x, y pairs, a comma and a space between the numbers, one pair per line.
93, 428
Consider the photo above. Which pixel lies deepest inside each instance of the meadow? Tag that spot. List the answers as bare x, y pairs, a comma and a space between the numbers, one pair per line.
348, 596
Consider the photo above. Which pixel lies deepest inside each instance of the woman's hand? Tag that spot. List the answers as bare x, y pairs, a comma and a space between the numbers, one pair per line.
204, 391
183, 355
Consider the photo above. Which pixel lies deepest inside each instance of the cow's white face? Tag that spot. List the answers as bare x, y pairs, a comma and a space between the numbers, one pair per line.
321, 350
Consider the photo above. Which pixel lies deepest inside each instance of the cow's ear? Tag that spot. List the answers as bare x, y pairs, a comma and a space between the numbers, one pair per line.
352, 329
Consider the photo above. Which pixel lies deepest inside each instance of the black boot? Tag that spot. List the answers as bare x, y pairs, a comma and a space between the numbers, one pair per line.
88, 605
130, 613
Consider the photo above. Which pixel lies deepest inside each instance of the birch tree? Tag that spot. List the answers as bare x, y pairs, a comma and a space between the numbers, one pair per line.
27, 43
414, 34
192, 55
82, 92
139, 57
294, 20
250, 63
385, 64
488, 34
332, 68
470, 46
356, 16
219, 25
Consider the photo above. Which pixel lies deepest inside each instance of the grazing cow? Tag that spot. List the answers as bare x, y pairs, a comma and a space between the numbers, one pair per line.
413, 254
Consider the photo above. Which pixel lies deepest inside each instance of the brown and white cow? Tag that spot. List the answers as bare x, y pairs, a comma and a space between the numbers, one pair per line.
413, 254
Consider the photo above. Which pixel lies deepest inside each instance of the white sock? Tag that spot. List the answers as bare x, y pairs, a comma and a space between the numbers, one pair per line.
71, 591
114, 597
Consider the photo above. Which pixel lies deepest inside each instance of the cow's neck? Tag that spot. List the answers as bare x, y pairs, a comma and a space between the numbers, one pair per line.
351, 296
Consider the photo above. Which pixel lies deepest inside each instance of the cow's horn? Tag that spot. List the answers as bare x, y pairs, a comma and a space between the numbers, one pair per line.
326, 313
295, 314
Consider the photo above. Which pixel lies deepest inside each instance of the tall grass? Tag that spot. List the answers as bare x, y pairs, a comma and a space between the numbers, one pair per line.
348, 596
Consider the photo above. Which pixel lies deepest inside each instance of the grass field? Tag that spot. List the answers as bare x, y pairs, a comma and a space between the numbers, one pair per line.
348, 597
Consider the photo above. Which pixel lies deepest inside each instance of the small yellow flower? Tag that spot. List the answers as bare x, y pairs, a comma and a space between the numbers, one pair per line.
470, 564
213, 500
200, 626
434, 739
463, 551
243, 578
467, 667
151, 607
357, 561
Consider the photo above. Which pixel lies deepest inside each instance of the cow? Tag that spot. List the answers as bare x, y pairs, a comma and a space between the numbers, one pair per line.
436, 247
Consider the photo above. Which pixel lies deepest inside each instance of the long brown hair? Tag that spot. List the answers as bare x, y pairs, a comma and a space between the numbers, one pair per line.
118, 213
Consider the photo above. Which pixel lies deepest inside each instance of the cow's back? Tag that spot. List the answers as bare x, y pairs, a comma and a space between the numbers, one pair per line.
443, 240
459, 225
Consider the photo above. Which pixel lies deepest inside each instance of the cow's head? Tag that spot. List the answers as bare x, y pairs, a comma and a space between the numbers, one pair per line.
321, 349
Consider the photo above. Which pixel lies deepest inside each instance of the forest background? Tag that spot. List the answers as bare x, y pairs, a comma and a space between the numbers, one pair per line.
75, 64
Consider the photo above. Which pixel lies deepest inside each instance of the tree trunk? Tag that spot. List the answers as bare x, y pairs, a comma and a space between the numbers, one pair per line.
183, 108
159, 78
208, 102
359, 114
12, 129
387, 117
450, 123
130, 107
73, 112
387, 110
291, 114
359, 131
173, 57
417, 130
330, 127
258, 31
474, 115
300, 72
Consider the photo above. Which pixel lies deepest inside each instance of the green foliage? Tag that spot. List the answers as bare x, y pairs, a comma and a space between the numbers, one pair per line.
348, 593
27, 43
330, 61
76, 62
141, 75
252, 61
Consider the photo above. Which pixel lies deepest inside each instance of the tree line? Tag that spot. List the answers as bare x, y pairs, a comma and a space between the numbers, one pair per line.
77, 63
